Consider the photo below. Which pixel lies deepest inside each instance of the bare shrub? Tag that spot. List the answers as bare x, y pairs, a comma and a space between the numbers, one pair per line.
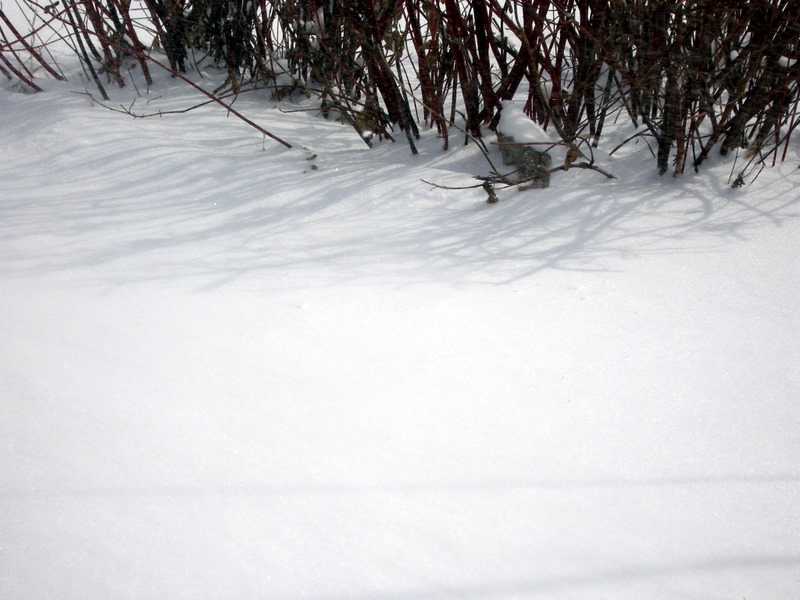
690, 75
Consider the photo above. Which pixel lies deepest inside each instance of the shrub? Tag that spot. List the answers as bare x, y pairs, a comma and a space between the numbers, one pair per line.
690, 75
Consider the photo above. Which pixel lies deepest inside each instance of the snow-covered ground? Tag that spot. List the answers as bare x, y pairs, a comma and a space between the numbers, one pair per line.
234, 370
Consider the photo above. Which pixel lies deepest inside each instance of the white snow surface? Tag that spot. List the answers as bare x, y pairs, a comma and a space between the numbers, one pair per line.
514, 122
236, 370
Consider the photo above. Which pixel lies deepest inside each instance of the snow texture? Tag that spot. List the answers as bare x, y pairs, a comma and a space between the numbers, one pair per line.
235, 370
514, 122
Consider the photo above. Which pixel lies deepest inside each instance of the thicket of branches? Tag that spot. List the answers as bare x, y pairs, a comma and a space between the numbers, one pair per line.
690, 75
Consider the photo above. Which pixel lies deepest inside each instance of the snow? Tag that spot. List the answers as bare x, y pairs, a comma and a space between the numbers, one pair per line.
228, 374
514, 122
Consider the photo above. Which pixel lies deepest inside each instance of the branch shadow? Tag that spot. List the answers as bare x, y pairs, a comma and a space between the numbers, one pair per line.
183, 204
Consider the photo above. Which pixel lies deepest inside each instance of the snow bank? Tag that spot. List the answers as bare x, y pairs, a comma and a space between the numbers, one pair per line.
229, 375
